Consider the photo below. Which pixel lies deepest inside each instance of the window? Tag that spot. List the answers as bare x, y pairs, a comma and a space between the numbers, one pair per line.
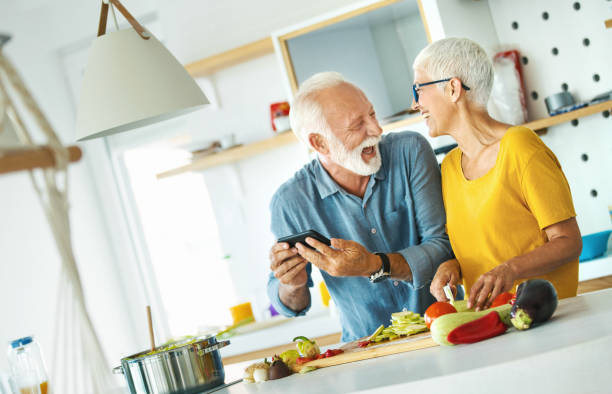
179, 229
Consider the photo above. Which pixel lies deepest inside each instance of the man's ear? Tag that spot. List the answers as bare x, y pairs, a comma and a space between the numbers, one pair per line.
318, 143
455, 89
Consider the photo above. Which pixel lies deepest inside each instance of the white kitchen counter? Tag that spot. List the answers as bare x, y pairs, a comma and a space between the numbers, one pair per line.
572, 353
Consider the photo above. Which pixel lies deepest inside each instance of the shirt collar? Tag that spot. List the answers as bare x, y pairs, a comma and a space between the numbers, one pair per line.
327, 186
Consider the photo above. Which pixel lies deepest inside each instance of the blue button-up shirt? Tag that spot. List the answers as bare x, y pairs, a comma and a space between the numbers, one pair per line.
401, 212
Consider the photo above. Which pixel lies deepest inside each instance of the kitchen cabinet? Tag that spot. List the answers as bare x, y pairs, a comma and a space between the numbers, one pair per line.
568, 354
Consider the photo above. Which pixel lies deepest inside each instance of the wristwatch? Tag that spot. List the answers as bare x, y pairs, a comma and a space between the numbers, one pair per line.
385, 270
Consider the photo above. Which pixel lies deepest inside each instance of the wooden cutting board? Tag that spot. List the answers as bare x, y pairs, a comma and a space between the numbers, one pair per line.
352, 352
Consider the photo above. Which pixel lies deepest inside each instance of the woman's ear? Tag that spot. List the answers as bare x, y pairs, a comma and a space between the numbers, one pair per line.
455, 89
318, 143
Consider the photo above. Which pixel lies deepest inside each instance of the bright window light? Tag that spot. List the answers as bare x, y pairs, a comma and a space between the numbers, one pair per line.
180, 231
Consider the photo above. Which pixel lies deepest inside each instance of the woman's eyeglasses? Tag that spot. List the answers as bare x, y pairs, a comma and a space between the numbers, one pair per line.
417, 86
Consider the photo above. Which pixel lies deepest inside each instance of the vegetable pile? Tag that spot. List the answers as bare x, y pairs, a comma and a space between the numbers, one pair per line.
288, 362
534, 303
402, 324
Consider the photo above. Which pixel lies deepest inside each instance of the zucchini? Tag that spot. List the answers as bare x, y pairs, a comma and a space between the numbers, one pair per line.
461, 306
444, 324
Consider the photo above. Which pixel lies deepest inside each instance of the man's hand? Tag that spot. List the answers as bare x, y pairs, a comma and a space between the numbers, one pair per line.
449, 273
346, 258
288, 266
490, 285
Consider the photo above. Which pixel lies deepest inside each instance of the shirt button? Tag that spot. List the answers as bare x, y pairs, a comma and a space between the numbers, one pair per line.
373, 231
395, 283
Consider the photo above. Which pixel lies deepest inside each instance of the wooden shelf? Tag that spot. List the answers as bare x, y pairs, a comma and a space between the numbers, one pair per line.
229, 58
568, 116
242, 152
30, 158
285, 138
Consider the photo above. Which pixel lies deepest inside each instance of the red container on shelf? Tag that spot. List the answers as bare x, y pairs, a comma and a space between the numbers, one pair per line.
279, 116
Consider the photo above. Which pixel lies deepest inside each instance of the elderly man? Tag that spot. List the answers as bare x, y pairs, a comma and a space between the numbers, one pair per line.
378, 197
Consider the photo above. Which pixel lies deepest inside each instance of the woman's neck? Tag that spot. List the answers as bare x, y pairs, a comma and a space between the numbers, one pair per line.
475, 131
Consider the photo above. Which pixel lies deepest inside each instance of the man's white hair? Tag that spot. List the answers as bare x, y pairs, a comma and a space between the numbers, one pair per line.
461, 58
306, 115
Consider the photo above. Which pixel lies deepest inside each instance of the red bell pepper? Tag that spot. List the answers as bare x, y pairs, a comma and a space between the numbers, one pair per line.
303, 360
503, 298
363, 343
488, 326
333, 352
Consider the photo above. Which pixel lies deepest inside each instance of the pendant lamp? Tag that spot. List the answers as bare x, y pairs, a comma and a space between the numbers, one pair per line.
131, 80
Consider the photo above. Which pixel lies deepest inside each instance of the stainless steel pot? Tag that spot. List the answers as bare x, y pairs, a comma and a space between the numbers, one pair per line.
186, 368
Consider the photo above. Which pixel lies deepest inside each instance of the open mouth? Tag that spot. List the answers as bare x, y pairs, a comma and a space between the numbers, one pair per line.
426, 115
368, 151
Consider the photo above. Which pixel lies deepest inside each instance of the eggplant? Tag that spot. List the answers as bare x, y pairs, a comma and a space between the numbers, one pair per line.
536, 301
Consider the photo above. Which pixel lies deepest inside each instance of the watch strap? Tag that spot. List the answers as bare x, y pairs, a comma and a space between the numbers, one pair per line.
385, 270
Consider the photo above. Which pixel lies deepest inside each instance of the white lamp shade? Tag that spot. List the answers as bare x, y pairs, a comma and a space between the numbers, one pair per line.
130, 82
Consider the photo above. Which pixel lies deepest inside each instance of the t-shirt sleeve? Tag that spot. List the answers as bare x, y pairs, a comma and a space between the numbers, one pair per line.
546, 189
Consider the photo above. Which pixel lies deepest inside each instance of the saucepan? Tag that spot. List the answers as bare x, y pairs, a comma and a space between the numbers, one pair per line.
185, 367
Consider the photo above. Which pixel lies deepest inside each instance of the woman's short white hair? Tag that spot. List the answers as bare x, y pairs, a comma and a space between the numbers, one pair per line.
461, 58
306, 115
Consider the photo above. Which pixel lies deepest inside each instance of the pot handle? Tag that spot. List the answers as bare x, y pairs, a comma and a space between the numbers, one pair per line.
118, 370
214, 347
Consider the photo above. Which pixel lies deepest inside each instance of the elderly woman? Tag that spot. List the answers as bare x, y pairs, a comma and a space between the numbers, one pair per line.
509, 209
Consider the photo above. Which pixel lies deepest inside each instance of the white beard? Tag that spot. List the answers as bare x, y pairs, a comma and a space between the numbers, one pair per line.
352, 160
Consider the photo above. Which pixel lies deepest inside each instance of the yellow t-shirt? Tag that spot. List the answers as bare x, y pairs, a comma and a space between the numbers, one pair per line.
503, 213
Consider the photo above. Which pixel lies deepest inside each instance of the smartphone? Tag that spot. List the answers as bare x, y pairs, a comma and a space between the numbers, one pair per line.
301, 237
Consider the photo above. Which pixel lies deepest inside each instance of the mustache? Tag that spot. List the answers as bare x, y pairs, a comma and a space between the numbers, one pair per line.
370, 141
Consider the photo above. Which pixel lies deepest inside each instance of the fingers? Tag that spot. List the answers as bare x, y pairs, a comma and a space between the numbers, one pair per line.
437, 285
311, 255
287, 265
321, 247
289, 277
279, 253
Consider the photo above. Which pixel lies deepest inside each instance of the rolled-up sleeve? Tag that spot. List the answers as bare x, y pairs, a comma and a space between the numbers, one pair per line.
434, 247
281, 225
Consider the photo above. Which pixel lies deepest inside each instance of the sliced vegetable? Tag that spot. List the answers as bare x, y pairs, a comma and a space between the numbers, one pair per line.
363, 343
503, 298
303, 360
307, 369
536, 301
289, 357
332, 352
436, 310
376, 333
488, 326
461, 306
443, 325
306, 347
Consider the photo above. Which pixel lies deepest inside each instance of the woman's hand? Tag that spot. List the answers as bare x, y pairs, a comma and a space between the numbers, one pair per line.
490, 285
449, 272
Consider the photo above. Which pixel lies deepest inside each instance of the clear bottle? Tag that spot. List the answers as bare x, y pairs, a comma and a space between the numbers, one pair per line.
28, 371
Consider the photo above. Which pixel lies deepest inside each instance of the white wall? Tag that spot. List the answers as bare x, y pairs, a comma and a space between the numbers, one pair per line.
29, 267
574, 65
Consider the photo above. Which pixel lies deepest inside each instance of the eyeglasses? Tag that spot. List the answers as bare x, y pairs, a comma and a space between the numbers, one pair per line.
417, 86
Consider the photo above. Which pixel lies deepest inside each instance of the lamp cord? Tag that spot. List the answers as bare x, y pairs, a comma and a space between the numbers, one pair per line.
114, 15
